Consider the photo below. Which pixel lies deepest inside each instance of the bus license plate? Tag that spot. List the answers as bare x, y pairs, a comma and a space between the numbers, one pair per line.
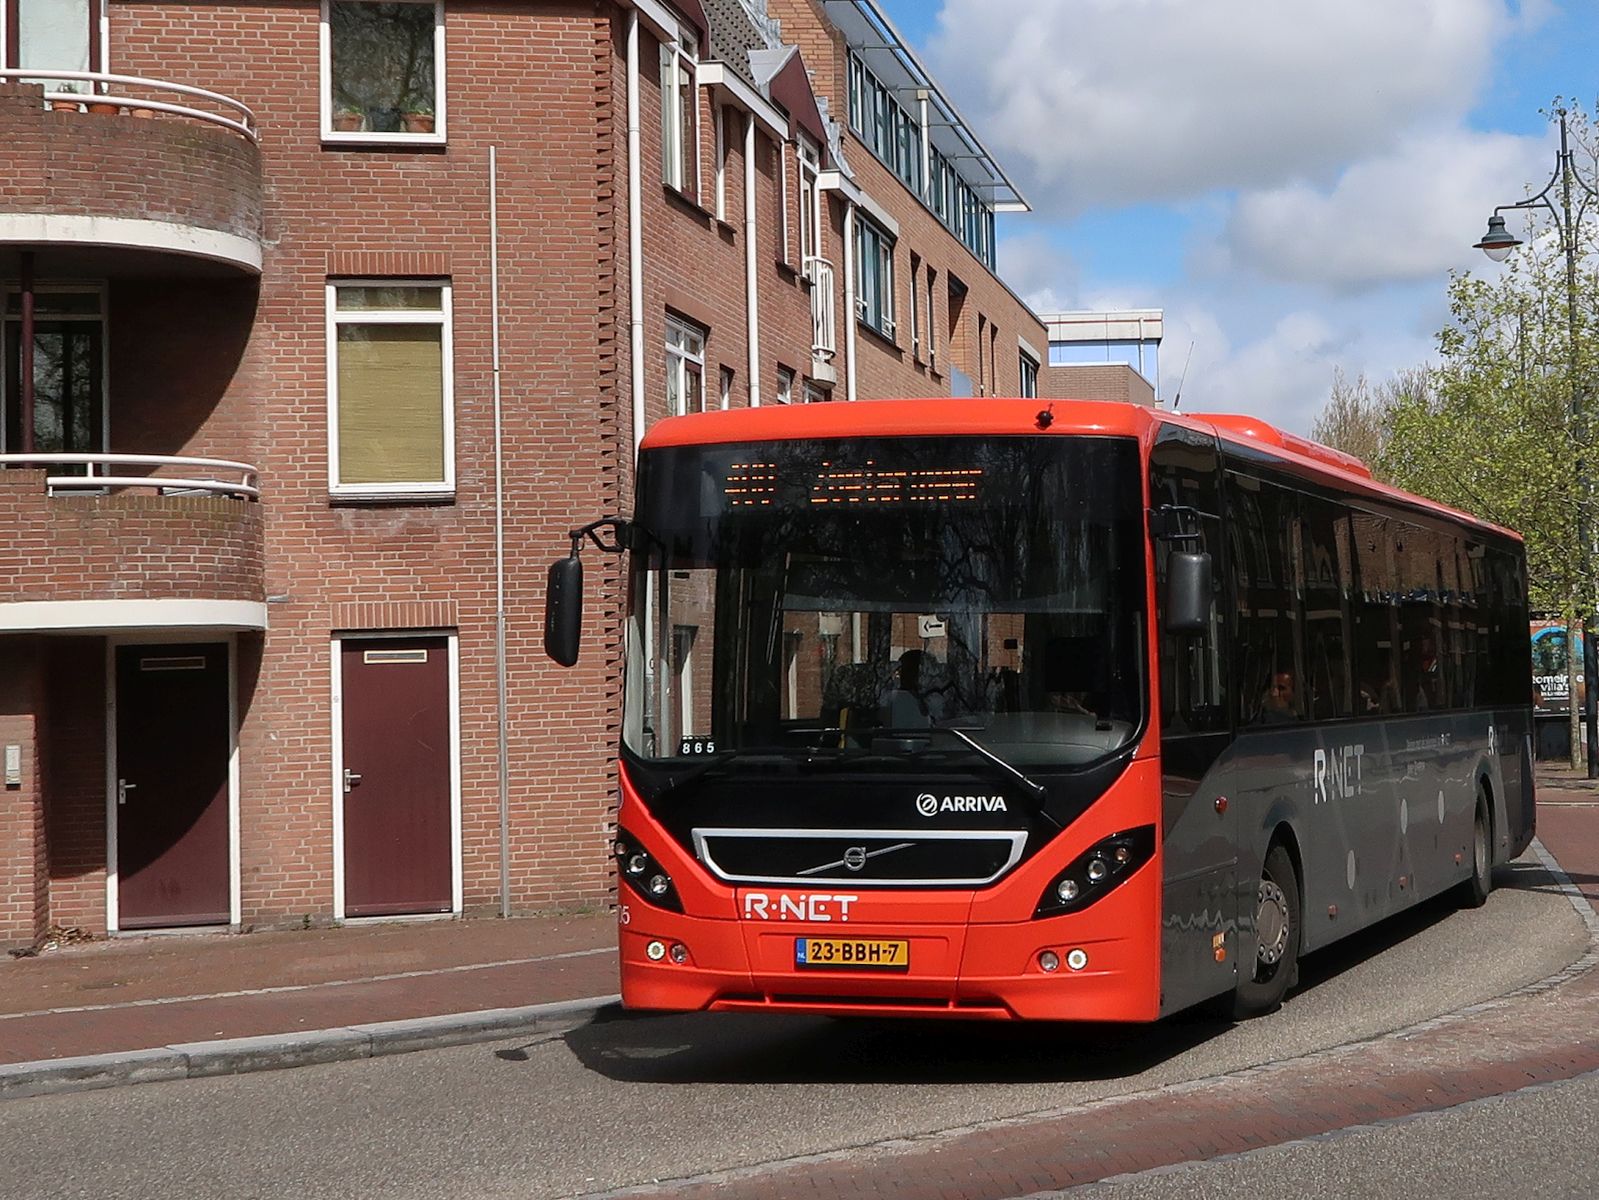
857, 954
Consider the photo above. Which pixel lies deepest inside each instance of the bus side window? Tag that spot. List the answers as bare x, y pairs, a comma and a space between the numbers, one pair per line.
1271, 671
1328, 574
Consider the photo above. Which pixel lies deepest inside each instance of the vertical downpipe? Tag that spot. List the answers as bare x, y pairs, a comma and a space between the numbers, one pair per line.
635, 234
849, 300
499, 539
750, 260
25, 363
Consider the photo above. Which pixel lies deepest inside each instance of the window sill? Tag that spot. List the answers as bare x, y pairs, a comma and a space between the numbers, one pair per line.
342, 497
790, 272
687, 203
878, 335
384, 141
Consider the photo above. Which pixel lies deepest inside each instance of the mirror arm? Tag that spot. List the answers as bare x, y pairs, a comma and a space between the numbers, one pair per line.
620, 528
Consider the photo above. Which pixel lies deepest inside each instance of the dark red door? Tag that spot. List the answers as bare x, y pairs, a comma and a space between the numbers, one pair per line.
396, 781
172, 785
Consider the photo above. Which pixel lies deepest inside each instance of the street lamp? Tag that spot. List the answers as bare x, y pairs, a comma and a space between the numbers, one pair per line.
1497, 244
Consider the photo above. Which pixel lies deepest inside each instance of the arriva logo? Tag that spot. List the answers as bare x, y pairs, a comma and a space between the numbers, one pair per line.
930, 805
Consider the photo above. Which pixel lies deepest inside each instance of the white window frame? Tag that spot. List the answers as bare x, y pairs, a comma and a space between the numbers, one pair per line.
443, 317
885, 268
680, 72
785, 385
810, 202
364, 137
1025, 360
10, 312
932, 320
678, 357
719, 125
914, 313
784, 249
724, 381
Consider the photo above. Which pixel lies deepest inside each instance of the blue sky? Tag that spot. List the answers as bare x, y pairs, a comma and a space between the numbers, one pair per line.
1292, 182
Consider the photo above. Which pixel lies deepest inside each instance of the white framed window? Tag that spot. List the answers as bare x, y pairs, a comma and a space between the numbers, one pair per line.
383, 71
725, 379
810, 206
720, 152
874, 285
932, 321
785, 385
1027, 374
391, 403
785, 249
815, 393
680, 142
685, 367
915, 306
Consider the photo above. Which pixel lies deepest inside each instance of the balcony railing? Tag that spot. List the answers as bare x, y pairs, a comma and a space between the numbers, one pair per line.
820, 271
97, 91
111, 472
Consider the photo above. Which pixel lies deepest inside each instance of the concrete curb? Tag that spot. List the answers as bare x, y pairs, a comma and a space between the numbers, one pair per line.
231, 1056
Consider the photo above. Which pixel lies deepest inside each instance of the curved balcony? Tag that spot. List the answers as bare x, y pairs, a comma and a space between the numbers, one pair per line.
106, 164
124, 541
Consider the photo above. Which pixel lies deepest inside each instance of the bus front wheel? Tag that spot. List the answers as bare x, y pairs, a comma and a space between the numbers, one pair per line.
1474, 892
1277, 938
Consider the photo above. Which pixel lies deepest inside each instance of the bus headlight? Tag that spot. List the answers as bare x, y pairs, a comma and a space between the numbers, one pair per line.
1097, 871
643, 875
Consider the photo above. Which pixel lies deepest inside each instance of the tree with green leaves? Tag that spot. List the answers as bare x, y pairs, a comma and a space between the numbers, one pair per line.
1505, 430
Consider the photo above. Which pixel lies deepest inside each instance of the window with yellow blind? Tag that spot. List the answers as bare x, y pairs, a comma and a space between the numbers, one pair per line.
391, 423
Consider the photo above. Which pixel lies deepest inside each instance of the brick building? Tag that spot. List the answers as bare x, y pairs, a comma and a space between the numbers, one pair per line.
324, 320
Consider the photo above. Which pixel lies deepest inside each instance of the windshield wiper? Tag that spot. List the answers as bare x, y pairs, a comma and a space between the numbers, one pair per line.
704, 766
1036, 791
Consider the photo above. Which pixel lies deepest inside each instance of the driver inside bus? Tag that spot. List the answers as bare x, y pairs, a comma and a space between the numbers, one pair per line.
906, 705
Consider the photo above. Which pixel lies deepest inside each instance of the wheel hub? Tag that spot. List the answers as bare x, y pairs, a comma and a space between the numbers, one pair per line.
1271, 924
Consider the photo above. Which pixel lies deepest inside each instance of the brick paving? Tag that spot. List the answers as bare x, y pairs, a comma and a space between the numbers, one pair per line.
140, 993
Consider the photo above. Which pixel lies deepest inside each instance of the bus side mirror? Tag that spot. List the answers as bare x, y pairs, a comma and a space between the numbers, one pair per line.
563, 610
1188, 592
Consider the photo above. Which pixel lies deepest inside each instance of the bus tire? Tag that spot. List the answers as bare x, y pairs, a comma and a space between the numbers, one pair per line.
1274, 966
1474, 892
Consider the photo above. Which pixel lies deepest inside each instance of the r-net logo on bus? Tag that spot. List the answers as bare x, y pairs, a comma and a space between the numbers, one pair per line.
1336, 773
930, 805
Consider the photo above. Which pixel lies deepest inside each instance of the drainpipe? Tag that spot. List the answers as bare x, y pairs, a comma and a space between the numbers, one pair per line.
635, 234
499, 540
25, 286
849, 300
750, 260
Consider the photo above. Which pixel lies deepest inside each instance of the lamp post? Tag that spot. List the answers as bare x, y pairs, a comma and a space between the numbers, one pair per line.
1497, 244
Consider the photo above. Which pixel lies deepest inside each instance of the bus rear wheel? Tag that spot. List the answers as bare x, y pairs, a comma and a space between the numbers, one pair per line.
1474, 892
1277, 938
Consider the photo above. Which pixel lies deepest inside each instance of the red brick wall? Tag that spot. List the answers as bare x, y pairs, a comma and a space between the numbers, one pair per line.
74, 755
534, 80
23, 894
1111, 381
128, 545
170, 169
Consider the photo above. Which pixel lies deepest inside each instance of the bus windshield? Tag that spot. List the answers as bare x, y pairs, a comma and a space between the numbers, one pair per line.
846, 599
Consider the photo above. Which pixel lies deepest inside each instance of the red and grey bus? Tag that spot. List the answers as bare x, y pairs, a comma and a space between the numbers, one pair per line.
1009, 710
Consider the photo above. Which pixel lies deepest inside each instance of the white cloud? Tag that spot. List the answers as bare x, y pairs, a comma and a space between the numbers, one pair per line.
1121, 101
1039, 271
1406, 215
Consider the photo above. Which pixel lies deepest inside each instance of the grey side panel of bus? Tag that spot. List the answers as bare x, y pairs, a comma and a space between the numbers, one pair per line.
1382, 823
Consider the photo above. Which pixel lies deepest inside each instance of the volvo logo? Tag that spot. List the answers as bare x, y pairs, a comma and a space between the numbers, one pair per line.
855, 857
927, 804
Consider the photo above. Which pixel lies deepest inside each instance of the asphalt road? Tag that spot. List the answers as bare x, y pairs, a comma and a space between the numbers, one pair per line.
1539, 1144
630, 1100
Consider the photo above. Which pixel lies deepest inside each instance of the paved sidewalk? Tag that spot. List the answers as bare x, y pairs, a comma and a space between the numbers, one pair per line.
135, 1009
132, 1009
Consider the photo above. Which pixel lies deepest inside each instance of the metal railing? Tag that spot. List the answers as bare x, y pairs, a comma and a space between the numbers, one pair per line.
62, 90
820, 272
242, 486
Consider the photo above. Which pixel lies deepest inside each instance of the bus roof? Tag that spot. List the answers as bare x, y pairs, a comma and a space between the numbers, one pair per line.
972, 417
